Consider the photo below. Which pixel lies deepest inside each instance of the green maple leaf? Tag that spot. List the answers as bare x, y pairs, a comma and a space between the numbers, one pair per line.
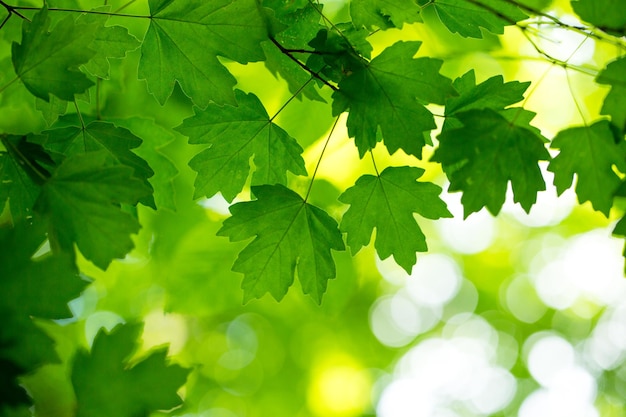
384, 14
184, 39
47, 61
302, 25
387, 93
289, 233
604, 14
107, 384
492, 93
109, 42
590, 153
615, 101
117, 142
466, 17
487, 152
82, 202
387, 203
235, 135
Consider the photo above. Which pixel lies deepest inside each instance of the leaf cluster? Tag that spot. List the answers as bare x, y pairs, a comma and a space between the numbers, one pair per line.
77, 180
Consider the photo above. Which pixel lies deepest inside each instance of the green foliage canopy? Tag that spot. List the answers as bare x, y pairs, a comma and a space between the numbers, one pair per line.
85, 164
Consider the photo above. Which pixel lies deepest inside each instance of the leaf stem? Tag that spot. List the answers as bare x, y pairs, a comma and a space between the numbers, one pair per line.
122, 7
302, 65
4, 87
59, 9
80, 116
319, 161
98, 115
22, 159
294, 95
14, 10
374, 163
6, 19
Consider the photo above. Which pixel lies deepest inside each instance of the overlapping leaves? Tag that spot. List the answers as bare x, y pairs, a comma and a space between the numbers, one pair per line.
82, 204
31, 286
386, 95
488, 152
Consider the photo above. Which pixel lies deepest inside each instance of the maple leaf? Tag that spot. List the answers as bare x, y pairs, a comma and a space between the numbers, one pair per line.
117, 142
82, 202
589, 152
466, 17
235, 135
47, 61
384, 14
185, 38
602, 14
387, 203
615, 101
387, 94
107, 384
487, 152
109, 42
289, 232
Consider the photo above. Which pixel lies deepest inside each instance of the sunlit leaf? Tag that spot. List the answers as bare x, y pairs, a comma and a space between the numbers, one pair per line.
590, 153
485, 154
236, 134
184, 40
387, 94
289, 233
387, 203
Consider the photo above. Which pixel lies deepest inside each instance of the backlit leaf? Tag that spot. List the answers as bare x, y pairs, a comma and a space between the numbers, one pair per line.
185, 38
387, 203
384, 14
466, 17
604, 14
289, 233
236, 134
615, 101
590, 153
488, 151
387, 93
